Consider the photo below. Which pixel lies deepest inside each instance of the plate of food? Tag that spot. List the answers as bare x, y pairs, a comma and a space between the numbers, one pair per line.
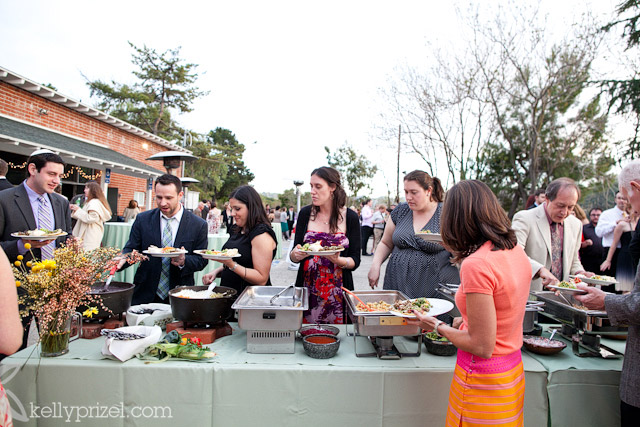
217, 255
166, 252
596, 280
562, 287
542, 345
430, 306
429, 236
317, 249
39, 234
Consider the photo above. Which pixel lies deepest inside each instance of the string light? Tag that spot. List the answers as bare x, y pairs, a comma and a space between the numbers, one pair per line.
78, 169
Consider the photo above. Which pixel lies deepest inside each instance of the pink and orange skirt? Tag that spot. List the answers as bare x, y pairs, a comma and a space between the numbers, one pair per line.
486, 392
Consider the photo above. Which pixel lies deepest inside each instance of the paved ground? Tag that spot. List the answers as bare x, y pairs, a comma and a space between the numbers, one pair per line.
281, 275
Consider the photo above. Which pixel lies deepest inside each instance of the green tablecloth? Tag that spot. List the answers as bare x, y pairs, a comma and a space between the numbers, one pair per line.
242, 389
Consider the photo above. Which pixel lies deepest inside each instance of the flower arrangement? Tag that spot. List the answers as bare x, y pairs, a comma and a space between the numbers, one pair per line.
53, 289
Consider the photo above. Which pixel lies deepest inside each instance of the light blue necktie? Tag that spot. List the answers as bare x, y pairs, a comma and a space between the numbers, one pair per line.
167, 240
44, 221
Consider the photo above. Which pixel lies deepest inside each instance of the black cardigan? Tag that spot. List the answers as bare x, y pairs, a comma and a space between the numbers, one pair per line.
353, 234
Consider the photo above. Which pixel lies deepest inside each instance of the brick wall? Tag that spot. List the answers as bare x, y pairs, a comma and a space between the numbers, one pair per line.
23, 105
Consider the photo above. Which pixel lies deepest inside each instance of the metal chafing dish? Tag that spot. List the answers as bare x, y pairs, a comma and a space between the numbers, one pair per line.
380, 327
583, 327
271, 326
448, 292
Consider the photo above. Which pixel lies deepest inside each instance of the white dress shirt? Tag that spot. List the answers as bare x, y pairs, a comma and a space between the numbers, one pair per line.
174, 224
606, 224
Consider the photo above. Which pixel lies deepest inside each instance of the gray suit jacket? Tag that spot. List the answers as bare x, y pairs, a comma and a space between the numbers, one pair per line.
16, 215
625, 309
534, 235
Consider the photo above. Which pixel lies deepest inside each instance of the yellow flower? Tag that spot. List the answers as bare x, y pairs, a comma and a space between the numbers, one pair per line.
18, 284
17, 263
20, 257
90, 312
29, 264
49, 264
27, 246
49, 274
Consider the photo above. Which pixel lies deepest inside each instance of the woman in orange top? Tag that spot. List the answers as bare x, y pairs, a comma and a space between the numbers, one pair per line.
488, 381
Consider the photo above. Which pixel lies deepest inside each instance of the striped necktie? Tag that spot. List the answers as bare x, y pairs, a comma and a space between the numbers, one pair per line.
167, 240
44, 221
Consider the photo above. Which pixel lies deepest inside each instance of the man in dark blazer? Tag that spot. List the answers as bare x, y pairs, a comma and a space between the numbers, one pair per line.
188, 232
624, 310
19, 206
19, 211
4, 183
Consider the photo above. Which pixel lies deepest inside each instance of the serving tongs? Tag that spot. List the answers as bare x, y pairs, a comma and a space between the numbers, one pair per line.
356, 297
276, 296
110, 278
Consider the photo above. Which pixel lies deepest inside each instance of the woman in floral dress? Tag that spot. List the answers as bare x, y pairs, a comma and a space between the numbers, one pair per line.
328, 221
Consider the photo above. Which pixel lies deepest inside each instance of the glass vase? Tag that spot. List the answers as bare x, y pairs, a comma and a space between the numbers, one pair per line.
55, 335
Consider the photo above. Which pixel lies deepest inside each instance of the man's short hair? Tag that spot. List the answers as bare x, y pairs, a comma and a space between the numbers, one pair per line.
539, 191
39, 160
558, 185
631, 172
168, 179
4, 167
595, 209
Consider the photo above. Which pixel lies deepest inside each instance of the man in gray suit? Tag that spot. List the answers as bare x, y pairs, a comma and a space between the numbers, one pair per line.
33, 204
4, 168
624, 310
551, 236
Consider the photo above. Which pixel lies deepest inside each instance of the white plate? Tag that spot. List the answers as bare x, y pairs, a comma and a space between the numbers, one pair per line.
203, 254
39, 238
570, 290
591, 281
314, 253
438, 307
164, 255
430, 237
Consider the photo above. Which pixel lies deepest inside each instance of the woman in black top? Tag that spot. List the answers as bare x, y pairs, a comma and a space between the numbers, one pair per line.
254, 239
328, 221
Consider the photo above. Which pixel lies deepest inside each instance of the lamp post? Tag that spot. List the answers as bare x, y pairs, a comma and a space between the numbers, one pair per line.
298, 184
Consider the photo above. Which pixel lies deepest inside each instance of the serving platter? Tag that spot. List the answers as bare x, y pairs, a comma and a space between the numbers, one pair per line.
592, 281
39, 238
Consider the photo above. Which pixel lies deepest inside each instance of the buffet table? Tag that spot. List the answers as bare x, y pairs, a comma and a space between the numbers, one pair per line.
242, 389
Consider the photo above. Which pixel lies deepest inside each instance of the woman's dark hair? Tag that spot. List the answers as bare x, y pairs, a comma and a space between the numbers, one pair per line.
332, 177
471, 216
249, 196
426, 181
132, 204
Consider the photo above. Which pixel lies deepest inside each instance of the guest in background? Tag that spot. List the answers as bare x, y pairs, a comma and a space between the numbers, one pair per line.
255, 240
284, 223
539, 197
91, 218
131, 212
413, 267
489, 382
272, 215
627, 266
198, 210
214, 218
205, 209
378, 221
4, 182
227, 218
367, 227
606, 224
10, 327
591, 252
291, 218
579, 213
326, 220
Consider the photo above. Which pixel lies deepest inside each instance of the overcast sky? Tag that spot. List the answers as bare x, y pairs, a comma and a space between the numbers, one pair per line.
287, 77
